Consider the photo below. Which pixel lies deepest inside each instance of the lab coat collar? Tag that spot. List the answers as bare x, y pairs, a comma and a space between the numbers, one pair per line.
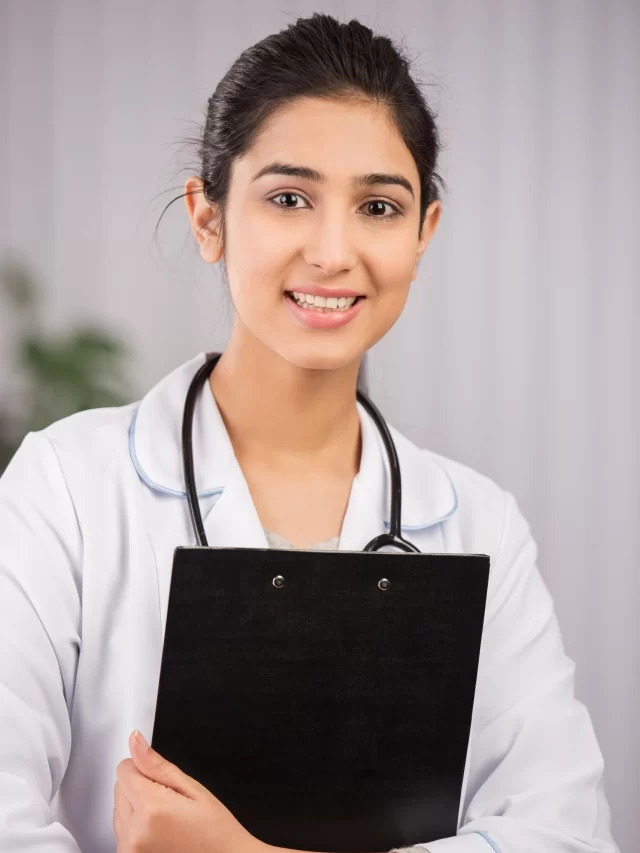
429, 496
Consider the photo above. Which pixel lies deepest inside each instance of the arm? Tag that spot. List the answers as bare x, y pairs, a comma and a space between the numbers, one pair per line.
534, 780
535, 769
39, 640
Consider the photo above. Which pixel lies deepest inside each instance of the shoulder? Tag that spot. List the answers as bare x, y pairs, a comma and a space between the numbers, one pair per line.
448, 491
100, 439
481, 501
489, 517
65, 472
482, 516
85, 443
91, 430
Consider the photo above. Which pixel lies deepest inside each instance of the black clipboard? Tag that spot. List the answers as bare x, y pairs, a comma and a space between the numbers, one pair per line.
324, 697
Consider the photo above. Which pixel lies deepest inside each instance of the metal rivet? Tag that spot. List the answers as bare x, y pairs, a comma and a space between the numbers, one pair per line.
383, 584
278, 581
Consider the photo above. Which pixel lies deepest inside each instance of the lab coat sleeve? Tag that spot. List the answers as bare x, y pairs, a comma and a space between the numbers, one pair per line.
535, 768
40, 556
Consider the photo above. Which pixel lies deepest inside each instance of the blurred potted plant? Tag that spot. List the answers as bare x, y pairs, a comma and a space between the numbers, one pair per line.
62, 375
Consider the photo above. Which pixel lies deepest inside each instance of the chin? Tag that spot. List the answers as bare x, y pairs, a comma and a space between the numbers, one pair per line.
329, 358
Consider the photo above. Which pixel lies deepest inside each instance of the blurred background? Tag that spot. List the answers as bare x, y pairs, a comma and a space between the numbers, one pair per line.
518, 352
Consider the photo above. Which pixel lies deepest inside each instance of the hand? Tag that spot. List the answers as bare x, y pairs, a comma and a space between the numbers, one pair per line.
159, 809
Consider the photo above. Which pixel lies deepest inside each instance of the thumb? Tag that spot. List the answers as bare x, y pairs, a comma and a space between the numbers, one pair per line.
152, 765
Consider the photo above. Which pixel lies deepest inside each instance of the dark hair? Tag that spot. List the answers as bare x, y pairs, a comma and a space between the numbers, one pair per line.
315, 57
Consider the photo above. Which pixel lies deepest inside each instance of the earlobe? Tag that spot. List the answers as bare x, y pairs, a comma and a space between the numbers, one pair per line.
431, 220
202, 219
210, 249
422, 245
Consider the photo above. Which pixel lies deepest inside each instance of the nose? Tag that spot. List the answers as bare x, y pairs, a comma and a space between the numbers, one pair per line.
330, 244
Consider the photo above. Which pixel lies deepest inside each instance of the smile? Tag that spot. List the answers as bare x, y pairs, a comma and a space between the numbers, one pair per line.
323, 312
323, 303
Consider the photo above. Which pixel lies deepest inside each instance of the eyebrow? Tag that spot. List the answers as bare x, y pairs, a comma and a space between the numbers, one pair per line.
368, 180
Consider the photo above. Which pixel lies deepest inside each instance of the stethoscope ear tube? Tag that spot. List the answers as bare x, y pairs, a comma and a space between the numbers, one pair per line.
187, 446
392, 538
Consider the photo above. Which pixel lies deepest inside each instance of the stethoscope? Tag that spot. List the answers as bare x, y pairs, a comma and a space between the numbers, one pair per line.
393, 537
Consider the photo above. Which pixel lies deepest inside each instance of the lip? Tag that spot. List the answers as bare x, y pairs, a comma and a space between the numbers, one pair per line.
323, 319
318, 290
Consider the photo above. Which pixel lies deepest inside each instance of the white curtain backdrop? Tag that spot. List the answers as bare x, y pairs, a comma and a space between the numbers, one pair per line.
518, 353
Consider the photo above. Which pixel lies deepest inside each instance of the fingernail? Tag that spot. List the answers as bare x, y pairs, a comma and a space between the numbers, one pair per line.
140, 739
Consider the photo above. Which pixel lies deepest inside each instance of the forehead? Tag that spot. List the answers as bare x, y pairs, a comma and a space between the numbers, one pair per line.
340, 138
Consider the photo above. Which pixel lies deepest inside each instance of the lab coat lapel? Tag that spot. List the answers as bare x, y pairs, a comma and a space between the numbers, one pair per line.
231, 518
364, 516
428, 494
233, 521
228, 511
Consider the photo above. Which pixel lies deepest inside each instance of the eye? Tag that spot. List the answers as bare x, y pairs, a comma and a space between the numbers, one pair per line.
287, 200
376, 209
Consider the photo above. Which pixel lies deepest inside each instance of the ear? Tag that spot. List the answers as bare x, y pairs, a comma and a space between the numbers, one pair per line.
431, 219
203, 219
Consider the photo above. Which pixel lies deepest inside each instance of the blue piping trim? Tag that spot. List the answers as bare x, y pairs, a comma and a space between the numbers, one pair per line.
220, 489
149, 482
428, 524
488, 840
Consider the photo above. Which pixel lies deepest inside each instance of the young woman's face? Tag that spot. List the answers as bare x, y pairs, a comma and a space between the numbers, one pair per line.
302, 219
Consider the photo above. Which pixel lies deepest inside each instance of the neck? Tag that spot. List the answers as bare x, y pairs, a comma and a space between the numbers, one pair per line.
278, 414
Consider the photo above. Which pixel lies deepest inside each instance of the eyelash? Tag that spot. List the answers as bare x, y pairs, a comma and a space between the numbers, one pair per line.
396, 210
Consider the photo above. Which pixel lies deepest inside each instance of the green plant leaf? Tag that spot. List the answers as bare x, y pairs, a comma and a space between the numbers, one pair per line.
85, 369
18, 284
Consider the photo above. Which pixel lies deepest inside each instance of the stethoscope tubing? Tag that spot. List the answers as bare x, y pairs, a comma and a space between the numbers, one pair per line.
392, 538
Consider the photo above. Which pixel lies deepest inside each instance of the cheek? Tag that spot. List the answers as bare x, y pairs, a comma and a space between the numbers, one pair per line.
259, 254
391, 268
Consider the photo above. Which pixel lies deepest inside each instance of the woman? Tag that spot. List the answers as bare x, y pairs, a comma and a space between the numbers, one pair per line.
318, 190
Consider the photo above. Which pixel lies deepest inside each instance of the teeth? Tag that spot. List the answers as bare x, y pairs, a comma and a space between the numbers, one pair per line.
321, 303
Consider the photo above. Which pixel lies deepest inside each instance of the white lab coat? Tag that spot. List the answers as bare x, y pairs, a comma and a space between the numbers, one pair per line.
91, 509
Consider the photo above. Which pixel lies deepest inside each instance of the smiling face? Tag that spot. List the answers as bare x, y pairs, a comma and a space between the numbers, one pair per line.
303, 221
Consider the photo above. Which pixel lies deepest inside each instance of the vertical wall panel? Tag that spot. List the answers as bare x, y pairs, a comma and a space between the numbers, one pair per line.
518, 352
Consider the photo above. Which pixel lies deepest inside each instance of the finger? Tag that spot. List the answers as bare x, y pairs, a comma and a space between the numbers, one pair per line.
121, 802
136, 787
117, 823
120, 830
155, 767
